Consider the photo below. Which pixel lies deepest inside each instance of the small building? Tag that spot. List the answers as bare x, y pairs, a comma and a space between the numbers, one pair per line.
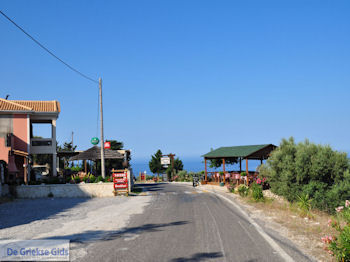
236, 154
17, 142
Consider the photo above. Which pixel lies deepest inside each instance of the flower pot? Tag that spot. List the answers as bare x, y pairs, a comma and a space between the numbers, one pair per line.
222, 183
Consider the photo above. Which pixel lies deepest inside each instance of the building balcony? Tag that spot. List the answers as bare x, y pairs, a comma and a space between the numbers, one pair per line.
42, 146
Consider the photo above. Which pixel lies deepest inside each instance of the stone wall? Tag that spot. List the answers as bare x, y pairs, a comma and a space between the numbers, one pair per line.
66, 190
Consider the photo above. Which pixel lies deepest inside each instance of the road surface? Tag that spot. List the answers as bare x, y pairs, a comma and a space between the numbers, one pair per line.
184, 224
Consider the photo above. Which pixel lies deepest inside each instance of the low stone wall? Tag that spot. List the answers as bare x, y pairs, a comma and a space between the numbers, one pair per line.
65, 190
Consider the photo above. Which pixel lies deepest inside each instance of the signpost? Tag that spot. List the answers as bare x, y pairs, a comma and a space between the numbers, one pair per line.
167, 160
120, 182
107, 145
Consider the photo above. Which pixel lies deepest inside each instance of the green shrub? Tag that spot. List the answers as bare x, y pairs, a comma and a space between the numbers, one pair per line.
108, 179
231, 188
305, 168
304, 203
99, 178
339, 245
257, 192
76, 169
50, 194
243, 190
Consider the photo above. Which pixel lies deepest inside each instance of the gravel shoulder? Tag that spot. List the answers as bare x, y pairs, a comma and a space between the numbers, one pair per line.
82, 220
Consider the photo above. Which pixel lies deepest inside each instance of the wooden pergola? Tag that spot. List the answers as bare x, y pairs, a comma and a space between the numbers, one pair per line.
238, 153
94, 153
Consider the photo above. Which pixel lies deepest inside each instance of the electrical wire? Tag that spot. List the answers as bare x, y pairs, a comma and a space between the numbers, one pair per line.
47, 50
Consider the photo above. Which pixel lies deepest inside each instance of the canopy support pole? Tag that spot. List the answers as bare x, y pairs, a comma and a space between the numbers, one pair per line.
240, 165
205, 168
246, 164
223, 166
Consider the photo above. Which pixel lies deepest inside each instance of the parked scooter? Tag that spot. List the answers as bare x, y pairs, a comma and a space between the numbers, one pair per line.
195, 181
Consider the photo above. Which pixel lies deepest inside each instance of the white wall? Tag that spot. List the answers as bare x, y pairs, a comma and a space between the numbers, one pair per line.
66, 190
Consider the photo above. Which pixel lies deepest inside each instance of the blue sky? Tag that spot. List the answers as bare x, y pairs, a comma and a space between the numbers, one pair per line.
185, 76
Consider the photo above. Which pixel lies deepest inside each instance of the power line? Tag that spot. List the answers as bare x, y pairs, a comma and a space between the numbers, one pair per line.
47, 50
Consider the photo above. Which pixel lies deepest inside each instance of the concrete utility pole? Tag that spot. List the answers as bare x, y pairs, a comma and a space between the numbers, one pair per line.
103, 173
72, 140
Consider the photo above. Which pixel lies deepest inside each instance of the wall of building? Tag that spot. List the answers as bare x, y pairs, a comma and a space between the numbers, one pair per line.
66, 190
20, 132
4, 151
6, 126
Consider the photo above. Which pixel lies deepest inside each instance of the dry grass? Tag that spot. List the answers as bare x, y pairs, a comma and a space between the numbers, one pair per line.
303, 229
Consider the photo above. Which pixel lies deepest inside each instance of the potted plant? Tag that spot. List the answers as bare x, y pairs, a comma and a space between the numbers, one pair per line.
221, 178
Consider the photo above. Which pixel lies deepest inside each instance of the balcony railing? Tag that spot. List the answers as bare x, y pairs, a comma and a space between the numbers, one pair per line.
41, 142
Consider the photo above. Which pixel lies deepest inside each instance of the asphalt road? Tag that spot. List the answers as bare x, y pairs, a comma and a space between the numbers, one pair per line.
184, 224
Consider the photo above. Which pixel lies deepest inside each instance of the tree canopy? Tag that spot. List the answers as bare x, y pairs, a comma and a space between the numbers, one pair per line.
155, 165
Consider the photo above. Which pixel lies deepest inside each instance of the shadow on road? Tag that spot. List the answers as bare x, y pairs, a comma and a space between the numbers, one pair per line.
103, 235
25, 211
198, 257
152, 187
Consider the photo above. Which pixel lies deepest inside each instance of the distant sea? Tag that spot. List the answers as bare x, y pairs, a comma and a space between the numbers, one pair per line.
191, 164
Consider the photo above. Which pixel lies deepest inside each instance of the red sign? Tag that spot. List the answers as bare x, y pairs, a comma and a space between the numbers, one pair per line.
120, 185
119, 175
107, 145
119, 180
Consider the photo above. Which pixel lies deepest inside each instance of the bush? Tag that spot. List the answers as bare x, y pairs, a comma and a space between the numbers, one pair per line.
231, 188
243, 190
305, 168
304, 203
339, 246
99, 178
108, 179
76, 169
257, 192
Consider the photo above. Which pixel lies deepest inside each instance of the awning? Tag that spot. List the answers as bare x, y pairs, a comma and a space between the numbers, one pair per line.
94, 153
257, 152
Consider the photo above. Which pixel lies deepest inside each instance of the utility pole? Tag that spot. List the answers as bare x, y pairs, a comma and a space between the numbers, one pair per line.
103, 174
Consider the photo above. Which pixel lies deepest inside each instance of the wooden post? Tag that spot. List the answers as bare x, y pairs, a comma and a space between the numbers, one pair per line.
85, 166
205, 168
246, 165
223, 167
240, 165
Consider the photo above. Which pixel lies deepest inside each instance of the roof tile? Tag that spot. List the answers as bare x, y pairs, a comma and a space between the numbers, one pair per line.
32, 106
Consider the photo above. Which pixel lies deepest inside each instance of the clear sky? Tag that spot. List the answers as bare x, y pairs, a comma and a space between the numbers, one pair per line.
185, 76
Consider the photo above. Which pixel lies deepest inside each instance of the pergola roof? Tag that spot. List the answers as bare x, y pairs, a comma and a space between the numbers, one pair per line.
250, 152
94, 153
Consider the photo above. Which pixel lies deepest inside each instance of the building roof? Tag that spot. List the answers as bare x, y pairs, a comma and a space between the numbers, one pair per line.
94, 153
250, 151
30, 106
